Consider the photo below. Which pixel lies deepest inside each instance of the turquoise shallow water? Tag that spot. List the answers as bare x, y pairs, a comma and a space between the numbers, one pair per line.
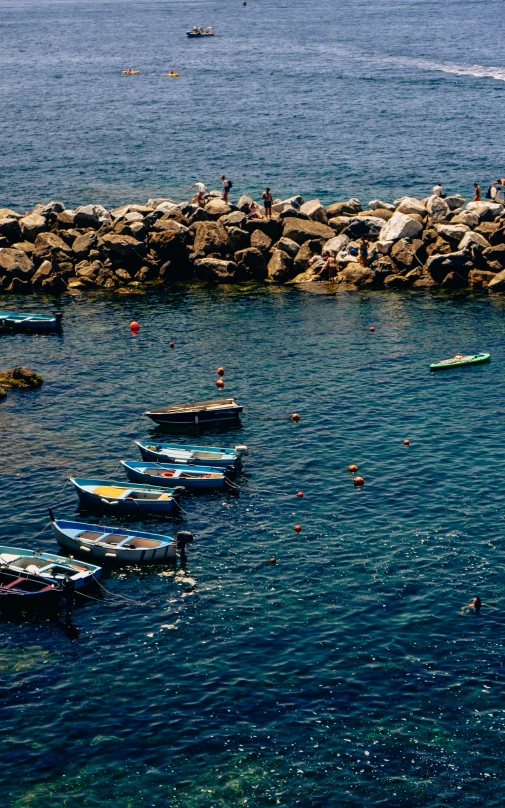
359, 98
345, 674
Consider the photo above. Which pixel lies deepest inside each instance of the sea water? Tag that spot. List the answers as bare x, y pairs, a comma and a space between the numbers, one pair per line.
343, 674
366, 98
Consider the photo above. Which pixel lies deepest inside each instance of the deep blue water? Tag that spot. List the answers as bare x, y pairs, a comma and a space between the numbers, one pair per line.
345, 674
361, 97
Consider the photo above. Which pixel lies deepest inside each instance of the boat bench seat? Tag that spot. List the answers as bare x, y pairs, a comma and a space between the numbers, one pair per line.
112, 538
91, 535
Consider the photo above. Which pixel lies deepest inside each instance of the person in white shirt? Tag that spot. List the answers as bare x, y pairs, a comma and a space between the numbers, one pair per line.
437, 190
201, 192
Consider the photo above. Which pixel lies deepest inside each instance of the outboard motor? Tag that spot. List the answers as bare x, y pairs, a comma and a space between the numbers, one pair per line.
178, 490
183, 538
241, 450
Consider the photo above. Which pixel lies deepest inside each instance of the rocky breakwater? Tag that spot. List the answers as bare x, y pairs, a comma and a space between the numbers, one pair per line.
412, 243
20, 378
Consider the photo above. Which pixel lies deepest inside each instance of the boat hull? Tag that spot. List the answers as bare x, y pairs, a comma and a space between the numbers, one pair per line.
134, 506
35, 323
162, 455
191, 483
49, 567
478, 359
196, 417
63, 531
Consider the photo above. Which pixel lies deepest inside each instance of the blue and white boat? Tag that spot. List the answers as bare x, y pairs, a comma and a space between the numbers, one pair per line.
15, 321
119, 497
21, 592
214, 456
191, 477
48, 567
114, 544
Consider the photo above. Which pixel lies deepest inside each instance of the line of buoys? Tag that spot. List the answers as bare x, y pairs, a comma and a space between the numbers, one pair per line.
300, 494
220, 371
353, 469
359, 481
219, 383
295, 417
297, 528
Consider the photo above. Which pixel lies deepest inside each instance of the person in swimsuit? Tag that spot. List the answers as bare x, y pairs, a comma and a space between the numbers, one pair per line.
363, 253
475, 606
226, 187
478, 192
267, 201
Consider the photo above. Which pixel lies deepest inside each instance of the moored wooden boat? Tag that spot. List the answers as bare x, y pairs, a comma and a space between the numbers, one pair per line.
169, 474
113, 544
16, 321
459, 361
193, 455
126, 497
48, 566
23, 592
199, 413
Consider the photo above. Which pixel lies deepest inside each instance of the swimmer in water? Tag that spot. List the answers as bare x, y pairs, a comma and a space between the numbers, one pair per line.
473, 606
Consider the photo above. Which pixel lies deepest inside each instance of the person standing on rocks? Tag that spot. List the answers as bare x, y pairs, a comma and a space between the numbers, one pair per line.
227, 184
363, 253
478, 192
267, 201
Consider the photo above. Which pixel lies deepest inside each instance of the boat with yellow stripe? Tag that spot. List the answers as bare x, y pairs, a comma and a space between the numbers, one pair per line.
120, 497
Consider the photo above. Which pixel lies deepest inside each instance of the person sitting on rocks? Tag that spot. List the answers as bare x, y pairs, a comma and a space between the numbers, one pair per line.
437, 190
492, 191
254, 211
478, 192
363, 253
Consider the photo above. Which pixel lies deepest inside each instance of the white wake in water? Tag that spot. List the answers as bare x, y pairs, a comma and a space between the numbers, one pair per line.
480, 71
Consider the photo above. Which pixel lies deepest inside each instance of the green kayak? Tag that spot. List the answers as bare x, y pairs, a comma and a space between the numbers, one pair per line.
459, 360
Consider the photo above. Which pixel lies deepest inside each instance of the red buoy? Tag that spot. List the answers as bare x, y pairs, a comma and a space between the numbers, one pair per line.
297, 528
406, 442
172, 344
271, 560
300, 494
359, 481
219, 383
372, 328
220, 371
352, 469
295, 417
134, 326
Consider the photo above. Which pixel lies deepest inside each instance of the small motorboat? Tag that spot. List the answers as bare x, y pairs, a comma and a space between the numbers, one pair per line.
191, 477
459, 360
198, 413
112, 544
197, 31
229, 459
130, 72
122, 497
22, 592
41, 323
52, 569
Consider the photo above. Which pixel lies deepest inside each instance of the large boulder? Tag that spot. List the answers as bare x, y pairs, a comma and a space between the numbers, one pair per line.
293, 212
364, 227
217, 208
397, 282
314, 210
438, 266
168, 246
455, 201
349, 208
288, 246
250, 264
378, 204
32, 225
437, 208
8, 213
90, 216
261, 241
239, 239
336, 244
65, 220
409, 205
382, 213
471, 238
215, 269
305, 255
292, 202
123, 247
339, 223
47, 244
400, 226
495, 257
10, 229
480, 278
356, 274
453, 233
234, 219
211, 237
497, 284
280, 266
272, 227
15, 264
44, 271
244, 203
408, 255
498, 237
18, 286
300, 230
486, 211
467, 217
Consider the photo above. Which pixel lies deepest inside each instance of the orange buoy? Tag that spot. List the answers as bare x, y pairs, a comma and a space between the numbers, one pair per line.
297, 528
220, 371
352, 469
406, 442
300, 494
271, 560
172, 344
134, 326
219, 383
359, 481
295, 417
372, 328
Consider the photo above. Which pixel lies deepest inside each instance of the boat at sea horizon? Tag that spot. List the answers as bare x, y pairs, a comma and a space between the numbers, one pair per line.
197, 413
197, 31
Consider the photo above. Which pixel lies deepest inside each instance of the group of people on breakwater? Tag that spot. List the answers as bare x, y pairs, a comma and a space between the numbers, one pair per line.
439, 241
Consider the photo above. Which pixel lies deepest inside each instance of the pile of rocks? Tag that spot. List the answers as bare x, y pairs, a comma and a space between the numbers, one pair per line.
20, 377
433, 242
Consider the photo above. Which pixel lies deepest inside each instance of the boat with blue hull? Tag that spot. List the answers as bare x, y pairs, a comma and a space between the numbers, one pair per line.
116, 544
37, 323
193, 478
51, 568
217, 457
120, 497
197, 413
22, 592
